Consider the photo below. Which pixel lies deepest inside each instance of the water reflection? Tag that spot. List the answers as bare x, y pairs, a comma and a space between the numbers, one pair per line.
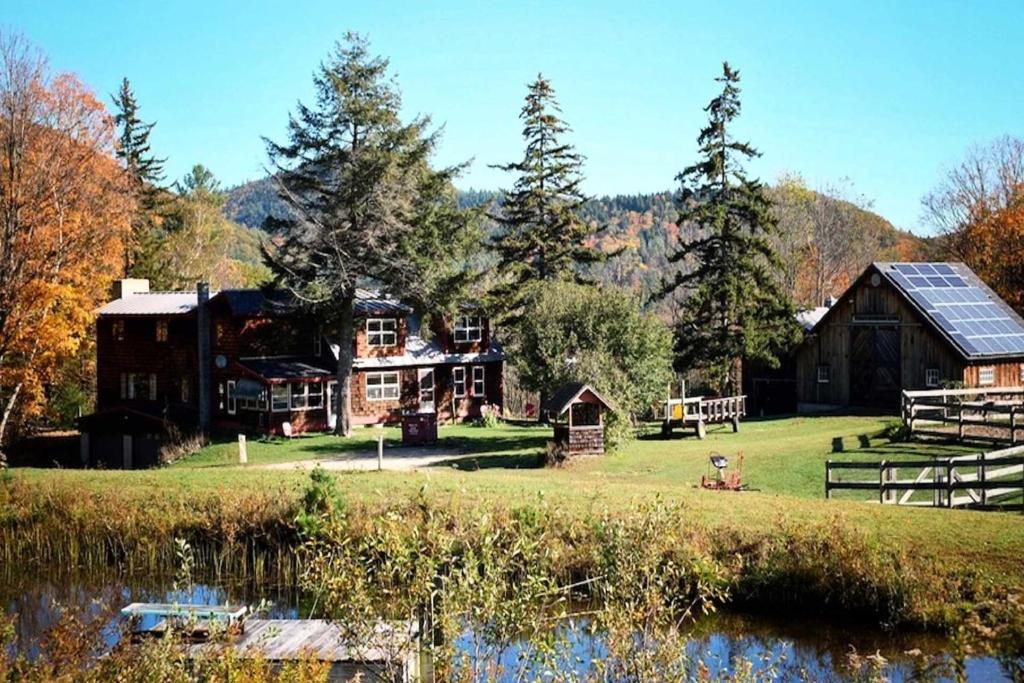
787, 649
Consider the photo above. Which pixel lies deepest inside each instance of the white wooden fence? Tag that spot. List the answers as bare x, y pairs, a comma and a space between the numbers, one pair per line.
984, 414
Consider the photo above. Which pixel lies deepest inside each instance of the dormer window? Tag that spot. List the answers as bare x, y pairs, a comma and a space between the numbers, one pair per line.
469, 328
381, 332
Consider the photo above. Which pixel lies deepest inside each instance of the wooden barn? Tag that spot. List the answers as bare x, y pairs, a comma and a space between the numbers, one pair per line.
908, 326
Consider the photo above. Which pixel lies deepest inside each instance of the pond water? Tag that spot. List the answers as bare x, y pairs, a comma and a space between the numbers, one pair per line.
796, 648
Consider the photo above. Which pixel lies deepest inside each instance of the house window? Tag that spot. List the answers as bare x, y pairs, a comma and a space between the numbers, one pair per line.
824, 374
161, 330
382, 386
279, 398
232, 403
478, 380
986, 376
315, 395
469, 328
299, 396
459, 381
139, 386
381, 331
253, 402
931, 378
117, 330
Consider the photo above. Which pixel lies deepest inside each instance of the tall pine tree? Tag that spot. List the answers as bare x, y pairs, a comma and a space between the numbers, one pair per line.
543, 236
364, 204
734, 307
145, 175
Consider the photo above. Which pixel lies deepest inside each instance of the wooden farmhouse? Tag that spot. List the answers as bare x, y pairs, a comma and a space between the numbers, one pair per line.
908, 326
577, 412
245, 361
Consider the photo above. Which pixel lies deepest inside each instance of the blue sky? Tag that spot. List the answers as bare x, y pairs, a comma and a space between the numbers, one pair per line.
886, 94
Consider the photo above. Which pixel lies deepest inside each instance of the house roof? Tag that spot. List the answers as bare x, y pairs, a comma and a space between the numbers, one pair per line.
810, 317
284, 369
243, 302
419, 351
953, 301
569, 393
151, 303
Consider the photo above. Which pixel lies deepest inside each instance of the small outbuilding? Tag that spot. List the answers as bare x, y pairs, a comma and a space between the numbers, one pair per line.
577, 412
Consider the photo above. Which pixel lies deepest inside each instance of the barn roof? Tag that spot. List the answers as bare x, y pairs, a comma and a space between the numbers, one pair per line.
954, 301
567, 395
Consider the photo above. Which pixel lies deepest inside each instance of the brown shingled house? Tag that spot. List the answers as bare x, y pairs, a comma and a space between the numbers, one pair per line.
255, 364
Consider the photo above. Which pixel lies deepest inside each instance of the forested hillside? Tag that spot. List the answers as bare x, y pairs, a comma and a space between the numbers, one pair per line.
824, 239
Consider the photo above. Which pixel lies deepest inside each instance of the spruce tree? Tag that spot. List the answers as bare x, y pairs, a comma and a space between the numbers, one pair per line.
145, 175
363, 204
733, 306
542, 235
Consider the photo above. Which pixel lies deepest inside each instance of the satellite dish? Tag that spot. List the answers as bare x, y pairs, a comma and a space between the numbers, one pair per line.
221, 361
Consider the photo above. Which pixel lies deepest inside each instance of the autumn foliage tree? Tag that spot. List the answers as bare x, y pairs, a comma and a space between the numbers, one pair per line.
64, 214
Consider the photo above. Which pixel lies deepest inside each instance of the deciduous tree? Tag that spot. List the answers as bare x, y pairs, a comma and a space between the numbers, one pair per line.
64, 213
735, 307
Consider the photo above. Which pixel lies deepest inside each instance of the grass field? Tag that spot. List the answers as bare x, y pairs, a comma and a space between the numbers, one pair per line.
783, 465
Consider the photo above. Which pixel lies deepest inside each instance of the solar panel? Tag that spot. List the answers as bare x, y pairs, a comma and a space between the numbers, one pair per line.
962, 308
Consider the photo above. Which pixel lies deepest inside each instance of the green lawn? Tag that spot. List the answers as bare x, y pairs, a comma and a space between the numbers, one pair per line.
784, 465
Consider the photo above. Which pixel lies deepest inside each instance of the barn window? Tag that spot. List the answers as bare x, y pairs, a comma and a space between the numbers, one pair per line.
382, 386
279, 398
381, 331
824, 374
117, 330
986, 376
931, 378
478, 380
161, 330
459, 382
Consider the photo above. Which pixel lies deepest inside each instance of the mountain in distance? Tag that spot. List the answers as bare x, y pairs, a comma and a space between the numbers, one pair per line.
641, 228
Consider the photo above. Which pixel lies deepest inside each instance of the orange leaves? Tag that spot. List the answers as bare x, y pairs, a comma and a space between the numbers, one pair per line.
993, 245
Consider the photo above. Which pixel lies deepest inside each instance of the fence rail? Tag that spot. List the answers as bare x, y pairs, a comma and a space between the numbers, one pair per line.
990, 480
991, 414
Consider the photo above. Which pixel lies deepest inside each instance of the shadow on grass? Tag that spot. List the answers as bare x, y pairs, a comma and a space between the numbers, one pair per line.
508, 461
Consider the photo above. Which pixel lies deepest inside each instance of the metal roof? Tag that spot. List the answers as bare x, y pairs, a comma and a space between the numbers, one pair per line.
250, 302
151, 303
418, 351
274, 368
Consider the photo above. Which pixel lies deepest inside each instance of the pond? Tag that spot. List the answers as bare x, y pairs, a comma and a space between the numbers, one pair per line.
797, 648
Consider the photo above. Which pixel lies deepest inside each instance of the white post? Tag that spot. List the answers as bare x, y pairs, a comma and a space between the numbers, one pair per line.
243, 453
380, 452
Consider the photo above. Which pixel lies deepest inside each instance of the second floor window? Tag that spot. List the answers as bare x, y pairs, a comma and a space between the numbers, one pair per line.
117, 330
161, 330
381, 331
469, 328
138, 386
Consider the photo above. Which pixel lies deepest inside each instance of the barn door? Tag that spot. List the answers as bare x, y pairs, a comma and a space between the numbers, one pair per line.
875, 366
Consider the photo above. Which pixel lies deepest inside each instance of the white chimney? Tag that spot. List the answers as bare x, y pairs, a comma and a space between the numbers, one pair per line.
129, 286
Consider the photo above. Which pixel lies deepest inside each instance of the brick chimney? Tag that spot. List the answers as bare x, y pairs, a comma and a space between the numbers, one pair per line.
127, 287
205, 393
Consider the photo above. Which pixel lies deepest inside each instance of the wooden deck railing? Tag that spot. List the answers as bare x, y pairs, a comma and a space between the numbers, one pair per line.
990, 480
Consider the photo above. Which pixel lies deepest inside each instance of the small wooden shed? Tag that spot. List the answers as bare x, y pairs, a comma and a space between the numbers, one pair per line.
577, 412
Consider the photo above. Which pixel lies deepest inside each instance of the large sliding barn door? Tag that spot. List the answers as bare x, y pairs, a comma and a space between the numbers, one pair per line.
875, 366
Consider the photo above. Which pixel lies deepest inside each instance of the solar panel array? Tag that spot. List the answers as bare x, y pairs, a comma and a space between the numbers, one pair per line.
979, 324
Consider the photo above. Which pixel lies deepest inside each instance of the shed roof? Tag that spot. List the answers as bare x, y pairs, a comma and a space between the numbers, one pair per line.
953, 301
567, 394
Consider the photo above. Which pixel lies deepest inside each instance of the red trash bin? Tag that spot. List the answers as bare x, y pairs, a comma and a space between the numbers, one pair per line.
419, 429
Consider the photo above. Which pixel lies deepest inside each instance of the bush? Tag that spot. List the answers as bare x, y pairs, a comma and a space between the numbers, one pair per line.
895, 431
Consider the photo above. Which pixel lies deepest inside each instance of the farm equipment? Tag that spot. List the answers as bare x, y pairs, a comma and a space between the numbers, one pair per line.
723, 481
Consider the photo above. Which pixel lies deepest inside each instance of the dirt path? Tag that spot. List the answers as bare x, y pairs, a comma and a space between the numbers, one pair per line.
395, 459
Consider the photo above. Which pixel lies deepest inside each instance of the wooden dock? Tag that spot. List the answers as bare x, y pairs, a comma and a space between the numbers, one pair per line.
390, 652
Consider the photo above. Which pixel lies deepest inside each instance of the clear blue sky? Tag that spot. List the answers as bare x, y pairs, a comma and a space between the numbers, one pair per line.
885, 93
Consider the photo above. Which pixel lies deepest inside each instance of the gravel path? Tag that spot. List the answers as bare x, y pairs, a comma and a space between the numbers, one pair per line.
395, 459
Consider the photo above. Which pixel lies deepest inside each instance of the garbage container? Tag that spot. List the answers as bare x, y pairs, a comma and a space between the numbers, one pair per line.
419, 429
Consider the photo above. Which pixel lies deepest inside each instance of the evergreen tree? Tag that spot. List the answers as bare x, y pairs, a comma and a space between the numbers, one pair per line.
363, 203
542, 235
735, 307
145, 175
